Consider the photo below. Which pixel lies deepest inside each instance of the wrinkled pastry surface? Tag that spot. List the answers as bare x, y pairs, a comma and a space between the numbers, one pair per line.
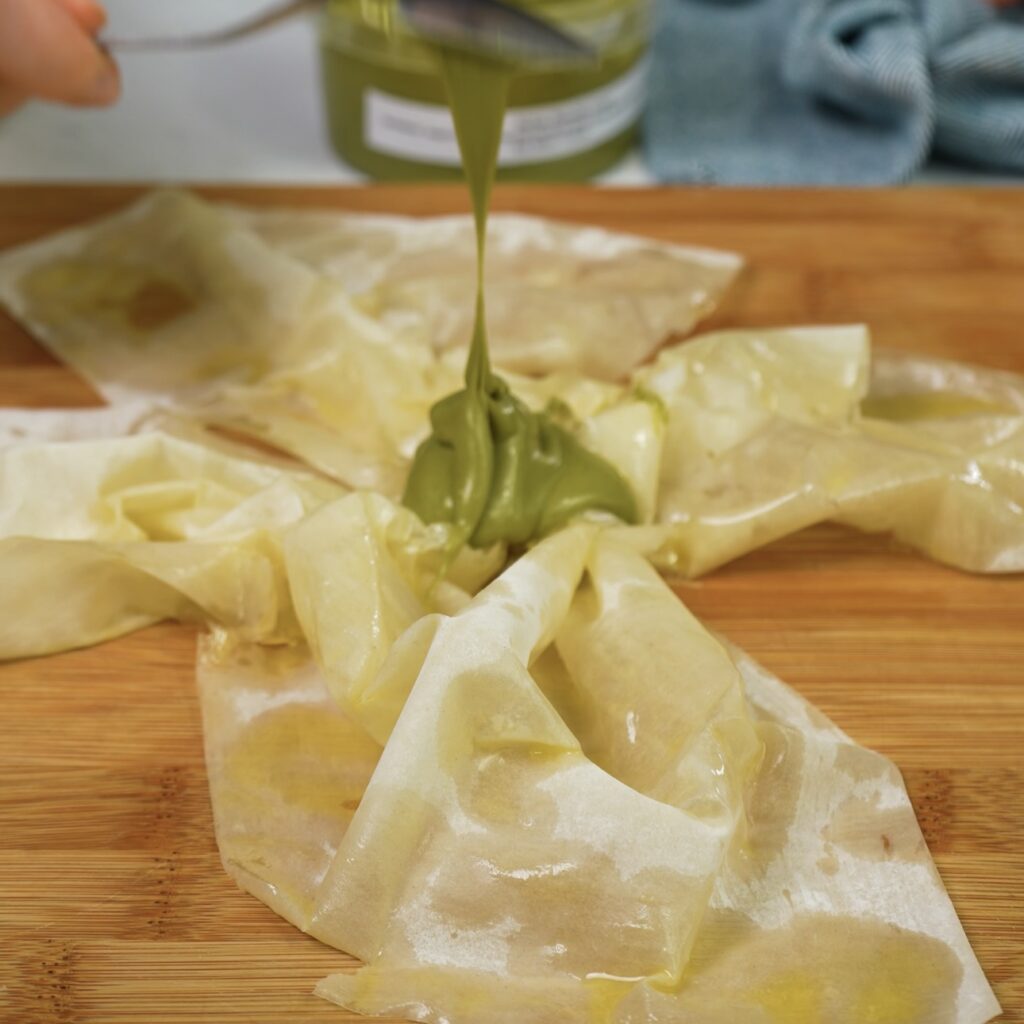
525, 787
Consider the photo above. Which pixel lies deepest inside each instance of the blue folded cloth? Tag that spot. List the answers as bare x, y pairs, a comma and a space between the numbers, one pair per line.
827, 92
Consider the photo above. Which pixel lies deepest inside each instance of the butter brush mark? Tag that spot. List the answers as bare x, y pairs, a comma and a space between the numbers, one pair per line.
167, 298
121, 294
817, 968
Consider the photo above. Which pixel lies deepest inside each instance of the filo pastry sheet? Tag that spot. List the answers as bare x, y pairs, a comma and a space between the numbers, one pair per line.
533, 789
565, 800
284, 328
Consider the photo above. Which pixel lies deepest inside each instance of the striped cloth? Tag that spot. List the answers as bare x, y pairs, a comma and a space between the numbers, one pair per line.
825, 92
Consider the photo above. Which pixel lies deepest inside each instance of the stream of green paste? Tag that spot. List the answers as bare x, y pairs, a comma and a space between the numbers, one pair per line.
492, 468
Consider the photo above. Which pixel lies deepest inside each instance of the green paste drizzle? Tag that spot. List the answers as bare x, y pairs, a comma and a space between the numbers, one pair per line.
491, 467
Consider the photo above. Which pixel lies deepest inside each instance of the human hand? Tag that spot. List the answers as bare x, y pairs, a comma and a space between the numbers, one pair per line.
48, 51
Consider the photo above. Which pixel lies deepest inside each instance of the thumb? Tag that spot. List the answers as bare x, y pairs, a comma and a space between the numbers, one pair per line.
47, 50
89, 14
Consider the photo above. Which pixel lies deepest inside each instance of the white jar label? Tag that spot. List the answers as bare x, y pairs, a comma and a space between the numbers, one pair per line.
548, 131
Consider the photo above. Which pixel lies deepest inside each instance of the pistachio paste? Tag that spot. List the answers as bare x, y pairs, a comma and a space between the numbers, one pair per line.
491, 467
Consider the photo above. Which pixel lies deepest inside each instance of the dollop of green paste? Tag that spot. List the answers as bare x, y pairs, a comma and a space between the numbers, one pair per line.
491, 467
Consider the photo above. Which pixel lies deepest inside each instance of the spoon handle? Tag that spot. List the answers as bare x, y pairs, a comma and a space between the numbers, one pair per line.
271, 15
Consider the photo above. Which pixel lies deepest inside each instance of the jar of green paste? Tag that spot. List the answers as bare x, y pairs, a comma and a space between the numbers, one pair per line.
388, 115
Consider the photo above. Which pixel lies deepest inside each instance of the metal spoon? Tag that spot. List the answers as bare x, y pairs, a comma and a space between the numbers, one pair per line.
249, 25
495, 29
488, 26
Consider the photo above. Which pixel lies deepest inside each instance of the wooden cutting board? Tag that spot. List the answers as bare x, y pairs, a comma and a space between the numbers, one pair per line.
113, 905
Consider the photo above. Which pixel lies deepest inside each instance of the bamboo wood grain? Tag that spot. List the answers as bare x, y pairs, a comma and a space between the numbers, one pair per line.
113, 905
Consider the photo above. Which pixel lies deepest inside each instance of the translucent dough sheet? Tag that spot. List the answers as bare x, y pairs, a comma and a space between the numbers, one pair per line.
326, 337
166, 299
545, 836
558, 296
232, 293
520, 789
768, 432
101, 537
20, 426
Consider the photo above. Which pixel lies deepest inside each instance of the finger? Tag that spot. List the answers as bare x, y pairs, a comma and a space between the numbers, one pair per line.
89, 14
45, 52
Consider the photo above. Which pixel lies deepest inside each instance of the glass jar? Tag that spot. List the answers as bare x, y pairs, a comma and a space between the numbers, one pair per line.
388, 116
